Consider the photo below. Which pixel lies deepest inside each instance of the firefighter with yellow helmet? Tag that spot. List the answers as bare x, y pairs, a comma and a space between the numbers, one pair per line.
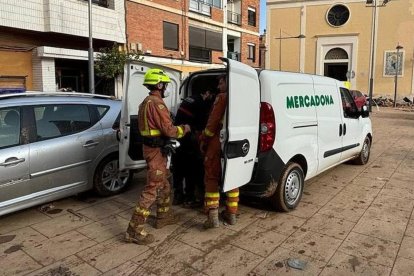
155, 126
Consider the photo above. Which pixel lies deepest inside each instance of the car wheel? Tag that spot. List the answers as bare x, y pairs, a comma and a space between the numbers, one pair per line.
363, 156
108, 180
290, 188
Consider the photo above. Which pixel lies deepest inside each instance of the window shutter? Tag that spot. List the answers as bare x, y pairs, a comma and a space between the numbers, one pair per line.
214, 41
197, 37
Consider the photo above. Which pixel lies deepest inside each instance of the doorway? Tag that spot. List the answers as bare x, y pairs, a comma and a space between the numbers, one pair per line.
336, 70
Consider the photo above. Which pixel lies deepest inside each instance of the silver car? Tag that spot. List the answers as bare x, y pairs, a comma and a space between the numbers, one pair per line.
53, 145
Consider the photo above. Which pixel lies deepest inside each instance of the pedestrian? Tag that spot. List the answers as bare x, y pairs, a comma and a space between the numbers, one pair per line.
155, 126
188, 168
210, 144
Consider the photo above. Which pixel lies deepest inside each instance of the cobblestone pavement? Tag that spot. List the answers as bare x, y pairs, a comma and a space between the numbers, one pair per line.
351, 220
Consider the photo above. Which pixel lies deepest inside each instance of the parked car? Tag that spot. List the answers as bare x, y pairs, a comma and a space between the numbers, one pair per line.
53, 145
359, 98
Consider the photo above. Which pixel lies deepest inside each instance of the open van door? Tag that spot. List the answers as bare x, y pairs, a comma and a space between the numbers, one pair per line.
130, 146
241, 133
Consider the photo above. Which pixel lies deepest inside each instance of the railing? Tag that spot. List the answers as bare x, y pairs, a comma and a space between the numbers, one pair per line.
233, 17
233, 55
200, 7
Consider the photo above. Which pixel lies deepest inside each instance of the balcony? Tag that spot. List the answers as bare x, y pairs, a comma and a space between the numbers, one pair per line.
200, 7
233, 56
233, 17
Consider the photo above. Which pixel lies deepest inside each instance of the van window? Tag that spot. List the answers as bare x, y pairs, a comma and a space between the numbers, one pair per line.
348, 104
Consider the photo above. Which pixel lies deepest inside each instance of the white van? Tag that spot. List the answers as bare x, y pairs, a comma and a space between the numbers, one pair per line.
281, 128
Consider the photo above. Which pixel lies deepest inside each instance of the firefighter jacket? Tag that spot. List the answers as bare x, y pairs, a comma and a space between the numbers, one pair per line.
154, 119
215, 120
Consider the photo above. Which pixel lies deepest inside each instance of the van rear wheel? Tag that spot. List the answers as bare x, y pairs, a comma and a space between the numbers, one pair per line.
289, 189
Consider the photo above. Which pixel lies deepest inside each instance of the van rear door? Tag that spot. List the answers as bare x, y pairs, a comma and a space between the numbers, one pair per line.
130, 146
241, 132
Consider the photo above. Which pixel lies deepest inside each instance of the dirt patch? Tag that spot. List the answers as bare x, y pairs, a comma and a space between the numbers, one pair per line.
354, 262
54, 211
279, 264
13, 248
6, 238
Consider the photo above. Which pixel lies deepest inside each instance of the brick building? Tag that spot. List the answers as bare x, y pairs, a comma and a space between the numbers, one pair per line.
192, 34
45, 42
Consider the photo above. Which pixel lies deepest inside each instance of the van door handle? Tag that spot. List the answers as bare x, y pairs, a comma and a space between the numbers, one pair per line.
340, 130
12, 161
90, 144
344, 128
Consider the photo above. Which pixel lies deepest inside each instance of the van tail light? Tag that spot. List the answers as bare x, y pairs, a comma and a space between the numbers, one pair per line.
267, 127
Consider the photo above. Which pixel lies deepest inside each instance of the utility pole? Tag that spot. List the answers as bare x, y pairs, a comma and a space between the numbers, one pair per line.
397, 67
90, 52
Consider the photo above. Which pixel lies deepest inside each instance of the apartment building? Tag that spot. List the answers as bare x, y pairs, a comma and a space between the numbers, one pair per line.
44, 43
350, 40
190, 35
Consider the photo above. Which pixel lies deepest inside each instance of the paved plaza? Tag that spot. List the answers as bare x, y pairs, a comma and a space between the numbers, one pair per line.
352, 220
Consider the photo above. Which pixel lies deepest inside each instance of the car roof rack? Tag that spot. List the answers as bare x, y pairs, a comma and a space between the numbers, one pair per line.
61, 94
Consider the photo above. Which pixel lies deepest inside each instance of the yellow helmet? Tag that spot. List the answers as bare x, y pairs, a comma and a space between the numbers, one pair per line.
154, 76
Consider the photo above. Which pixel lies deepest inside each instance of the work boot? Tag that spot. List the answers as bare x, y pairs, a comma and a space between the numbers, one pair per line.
166, 218
228, 218
138, 235
212, 220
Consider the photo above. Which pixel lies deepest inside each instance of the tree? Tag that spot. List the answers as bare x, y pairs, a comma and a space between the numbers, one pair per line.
110, 62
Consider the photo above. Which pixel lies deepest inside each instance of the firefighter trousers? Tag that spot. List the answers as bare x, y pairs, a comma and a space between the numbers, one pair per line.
212, 178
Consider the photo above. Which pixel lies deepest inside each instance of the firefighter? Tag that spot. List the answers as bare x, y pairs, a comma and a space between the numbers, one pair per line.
155, 126
193, 111
211, 146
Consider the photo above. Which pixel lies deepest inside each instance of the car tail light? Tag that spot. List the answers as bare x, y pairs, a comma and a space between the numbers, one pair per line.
267, 127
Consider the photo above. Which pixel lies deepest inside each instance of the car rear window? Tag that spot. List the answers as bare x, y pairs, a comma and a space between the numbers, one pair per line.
102, 110
60, 120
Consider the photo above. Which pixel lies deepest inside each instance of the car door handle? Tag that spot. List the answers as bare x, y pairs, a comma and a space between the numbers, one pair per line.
340, 130
344, 128
12, 161
90, 144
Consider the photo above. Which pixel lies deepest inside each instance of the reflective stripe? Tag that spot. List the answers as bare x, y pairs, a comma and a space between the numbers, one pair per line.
142, 211
180, 131
233, 194
208, 133
151, 132
231, 204
163, 209
209, 203
207, 194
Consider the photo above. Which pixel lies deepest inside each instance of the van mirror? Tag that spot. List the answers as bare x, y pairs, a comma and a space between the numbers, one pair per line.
364, 112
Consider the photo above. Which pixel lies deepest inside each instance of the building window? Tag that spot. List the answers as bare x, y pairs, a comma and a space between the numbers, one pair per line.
251, 16
202, 42
170, 36
337, 15
252, 52
200, 6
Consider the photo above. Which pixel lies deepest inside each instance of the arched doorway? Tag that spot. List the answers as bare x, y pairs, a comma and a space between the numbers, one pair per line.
336, 64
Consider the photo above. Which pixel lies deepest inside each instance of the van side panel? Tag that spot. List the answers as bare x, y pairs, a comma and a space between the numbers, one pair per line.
329, 122
296, 121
